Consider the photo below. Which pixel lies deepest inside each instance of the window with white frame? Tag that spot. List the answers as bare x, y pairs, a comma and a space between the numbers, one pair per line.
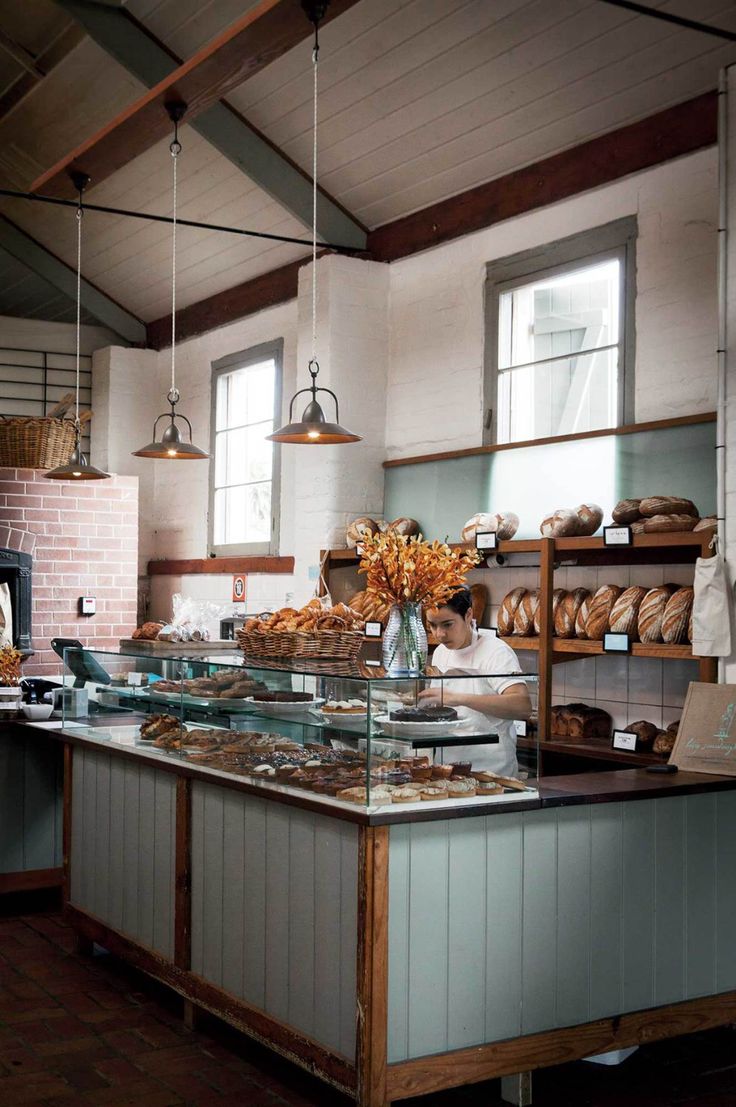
560, 337
246, 400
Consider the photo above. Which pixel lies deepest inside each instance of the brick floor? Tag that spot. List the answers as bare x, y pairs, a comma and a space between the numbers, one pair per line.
81, 1032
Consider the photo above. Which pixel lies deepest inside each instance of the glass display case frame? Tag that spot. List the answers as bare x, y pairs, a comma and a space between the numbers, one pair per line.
344, 734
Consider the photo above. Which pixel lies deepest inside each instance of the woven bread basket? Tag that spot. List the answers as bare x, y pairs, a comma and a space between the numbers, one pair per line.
39, 442
326, 643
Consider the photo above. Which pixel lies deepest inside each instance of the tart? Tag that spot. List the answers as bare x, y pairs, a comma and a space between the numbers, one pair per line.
431, 793
461, 789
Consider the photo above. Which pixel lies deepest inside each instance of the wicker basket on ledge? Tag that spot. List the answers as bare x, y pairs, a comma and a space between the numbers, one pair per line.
331, 644
35, 443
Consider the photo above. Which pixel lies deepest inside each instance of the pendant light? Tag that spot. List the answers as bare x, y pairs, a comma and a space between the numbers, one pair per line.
77, 467
313, 429
170, 446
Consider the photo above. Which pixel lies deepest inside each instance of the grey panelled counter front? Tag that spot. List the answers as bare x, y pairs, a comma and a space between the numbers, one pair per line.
30, 810
394, 954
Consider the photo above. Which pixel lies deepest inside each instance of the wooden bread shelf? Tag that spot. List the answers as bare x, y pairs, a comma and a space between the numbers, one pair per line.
600, 750
574, 648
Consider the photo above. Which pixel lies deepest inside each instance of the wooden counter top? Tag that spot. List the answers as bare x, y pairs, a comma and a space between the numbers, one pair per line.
626, 784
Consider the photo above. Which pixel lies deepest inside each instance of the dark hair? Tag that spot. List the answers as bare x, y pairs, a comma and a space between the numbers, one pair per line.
461, 602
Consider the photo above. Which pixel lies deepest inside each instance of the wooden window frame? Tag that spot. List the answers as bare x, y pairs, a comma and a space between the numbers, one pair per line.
612, 240
243, 360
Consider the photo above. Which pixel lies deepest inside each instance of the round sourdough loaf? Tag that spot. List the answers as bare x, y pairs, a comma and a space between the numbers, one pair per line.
645, 732
478, 524
525, 612
557, 597
508, 524
590, 517
676, 616
626, 511
562, 523
567, 610
625, 611
667, 505
404, 526
651, 614
360, 528
582, 616
599, 615
659, 524
507, 611
664, 742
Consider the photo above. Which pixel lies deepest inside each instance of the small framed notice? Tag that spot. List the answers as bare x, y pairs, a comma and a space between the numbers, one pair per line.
624, 740
486, 540
373, 629
617, 536
135, 679
616, 643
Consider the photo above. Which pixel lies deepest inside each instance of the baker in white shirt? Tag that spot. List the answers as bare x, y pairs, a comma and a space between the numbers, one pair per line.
491, 702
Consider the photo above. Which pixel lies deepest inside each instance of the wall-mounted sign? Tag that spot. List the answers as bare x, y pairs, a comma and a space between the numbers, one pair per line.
239, 587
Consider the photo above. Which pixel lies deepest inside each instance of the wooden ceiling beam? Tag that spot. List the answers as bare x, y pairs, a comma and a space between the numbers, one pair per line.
259, 37
683, 129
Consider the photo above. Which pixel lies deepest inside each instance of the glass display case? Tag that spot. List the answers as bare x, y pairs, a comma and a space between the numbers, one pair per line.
345, 733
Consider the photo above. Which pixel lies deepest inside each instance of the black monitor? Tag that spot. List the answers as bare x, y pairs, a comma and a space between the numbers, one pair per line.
83, 665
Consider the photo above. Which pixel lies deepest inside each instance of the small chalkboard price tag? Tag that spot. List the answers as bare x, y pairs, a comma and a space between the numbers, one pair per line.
373, 629
616, 643
485, 540
624, 740
617, 536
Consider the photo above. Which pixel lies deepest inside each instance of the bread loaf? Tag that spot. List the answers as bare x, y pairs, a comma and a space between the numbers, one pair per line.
360, 528
477, 524
557, 596
579, 721
664, 742
709, 523
651, 614
525, 612
677, 616
626, 511
507, 525
404, 526
638, 526
667, 505
674, 726
558, 721
479, 599
659, 524
507, 611
590, 517
599, 615
562, 523
645, 732
625, 611
567, 610
582, 616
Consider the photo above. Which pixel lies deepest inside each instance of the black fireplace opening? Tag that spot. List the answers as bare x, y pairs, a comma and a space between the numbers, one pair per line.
15, 571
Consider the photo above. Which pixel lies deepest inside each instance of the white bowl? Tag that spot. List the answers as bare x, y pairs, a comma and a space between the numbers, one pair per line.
37, 711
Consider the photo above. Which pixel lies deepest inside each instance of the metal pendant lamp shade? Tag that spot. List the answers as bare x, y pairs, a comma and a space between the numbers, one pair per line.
313, 429
77, 466
171, 446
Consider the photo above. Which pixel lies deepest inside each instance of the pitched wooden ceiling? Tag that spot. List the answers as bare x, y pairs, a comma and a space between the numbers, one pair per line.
419, 100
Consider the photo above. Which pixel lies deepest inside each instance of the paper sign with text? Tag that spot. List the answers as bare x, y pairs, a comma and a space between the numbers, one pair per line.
706, 738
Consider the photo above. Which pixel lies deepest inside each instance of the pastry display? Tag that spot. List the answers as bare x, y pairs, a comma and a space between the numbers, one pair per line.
344, 707
156, 726
314, 616
224, 684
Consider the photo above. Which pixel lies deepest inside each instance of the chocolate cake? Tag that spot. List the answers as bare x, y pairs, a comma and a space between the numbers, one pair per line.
434, 714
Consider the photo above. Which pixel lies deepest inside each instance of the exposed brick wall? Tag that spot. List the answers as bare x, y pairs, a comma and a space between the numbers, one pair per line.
86, 541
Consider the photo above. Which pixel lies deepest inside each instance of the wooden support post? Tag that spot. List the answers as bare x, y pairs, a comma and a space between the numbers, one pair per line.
66, 831
546, 586
183, 878
372, 993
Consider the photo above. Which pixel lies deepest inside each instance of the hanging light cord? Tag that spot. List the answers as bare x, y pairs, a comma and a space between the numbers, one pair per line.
175, 151
80, 215
315, 57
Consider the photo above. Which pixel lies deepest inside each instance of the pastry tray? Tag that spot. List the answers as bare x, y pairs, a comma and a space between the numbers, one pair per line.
224, 705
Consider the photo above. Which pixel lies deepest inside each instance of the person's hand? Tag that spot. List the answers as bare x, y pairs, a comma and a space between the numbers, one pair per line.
432, 696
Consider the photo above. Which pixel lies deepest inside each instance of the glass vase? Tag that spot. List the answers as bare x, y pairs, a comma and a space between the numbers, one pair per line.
404, 647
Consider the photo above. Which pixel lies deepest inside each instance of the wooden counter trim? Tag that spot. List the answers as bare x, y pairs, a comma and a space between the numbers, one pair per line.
331, 1067
67, 820
31, 880
372, 978
627, 784
628, 428
183, 874
555, 1047
224, 565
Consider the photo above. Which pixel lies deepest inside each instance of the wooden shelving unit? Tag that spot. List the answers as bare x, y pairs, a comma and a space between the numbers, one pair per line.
674, 548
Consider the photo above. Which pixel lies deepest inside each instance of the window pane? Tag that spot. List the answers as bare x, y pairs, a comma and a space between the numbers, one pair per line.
258, 499
243, 514
560, 397
578, 310
259, 453
260, 388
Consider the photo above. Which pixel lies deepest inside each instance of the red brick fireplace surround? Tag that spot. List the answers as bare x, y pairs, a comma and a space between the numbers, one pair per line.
83, 538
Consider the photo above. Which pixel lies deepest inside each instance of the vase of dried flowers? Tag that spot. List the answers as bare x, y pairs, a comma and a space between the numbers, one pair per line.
11, 692
409, 574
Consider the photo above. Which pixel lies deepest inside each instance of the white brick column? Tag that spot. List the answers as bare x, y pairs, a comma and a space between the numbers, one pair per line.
333, 484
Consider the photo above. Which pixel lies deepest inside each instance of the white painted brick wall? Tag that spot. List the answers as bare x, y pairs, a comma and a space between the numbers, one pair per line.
437, 306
